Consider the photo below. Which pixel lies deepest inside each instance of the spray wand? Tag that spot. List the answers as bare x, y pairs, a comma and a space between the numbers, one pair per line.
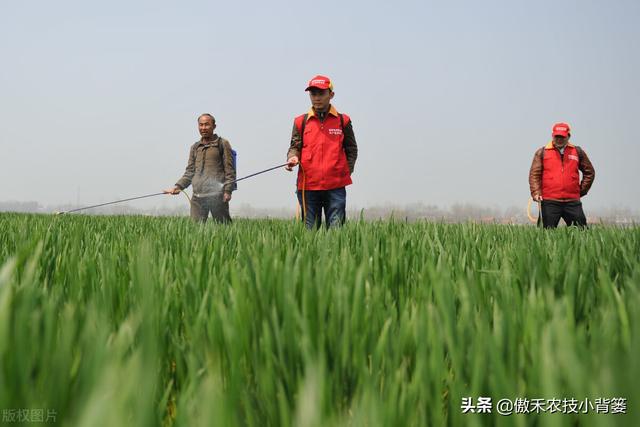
158, 194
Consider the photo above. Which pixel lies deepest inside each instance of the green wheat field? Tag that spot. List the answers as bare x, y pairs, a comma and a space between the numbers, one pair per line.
143, 321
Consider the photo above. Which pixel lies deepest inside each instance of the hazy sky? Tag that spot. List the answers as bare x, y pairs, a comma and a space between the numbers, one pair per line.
449, 100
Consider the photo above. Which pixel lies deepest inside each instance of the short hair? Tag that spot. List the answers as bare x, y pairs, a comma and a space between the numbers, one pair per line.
213, 119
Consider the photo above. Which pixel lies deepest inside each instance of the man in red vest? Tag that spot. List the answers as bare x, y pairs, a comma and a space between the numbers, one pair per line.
324, 146
554, 179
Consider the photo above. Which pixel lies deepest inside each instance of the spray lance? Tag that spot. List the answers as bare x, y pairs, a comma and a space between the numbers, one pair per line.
213, 193
159, 194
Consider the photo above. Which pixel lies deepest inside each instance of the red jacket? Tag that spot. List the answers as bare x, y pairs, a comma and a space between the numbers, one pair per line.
560, 176
323, 159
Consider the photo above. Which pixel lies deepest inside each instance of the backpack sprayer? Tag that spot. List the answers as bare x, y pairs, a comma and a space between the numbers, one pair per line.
158, 194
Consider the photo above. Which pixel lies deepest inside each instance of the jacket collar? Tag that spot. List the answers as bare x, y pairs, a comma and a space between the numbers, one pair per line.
332, 111
213, 140
550, 145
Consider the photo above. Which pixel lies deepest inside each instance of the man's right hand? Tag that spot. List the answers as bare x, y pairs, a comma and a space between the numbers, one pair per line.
174, 191
292, 162
537, 198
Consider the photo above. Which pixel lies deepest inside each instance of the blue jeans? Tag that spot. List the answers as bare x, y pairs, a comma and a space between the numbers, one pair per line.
333, 202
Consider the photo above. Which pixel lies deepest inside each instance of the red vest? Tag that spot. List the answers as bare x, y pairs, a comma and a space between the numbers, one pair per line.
560, 176
323, 160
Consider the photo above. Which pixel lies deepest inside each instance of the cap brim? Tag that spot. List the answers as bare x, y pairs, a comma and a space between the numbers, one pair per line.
317, 87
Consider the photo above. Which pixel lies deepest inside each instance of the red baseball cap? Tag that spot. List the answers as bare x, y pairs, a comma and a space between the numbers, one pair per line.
561, 129
320, 82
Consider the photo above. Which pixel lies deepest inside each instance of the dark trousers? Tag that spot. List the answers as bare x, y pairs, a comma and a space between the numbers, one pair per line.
571, 212
333, 202
201, 206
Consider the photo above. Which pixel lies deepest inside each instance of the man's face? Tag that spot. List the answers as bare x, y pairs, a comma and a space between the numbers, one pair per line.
320, 98
560, 141
206, 126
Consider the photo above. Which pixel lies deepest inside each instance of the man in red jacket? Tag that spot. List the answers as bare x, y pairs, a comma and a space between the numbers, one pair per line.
554, 179
324, 146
